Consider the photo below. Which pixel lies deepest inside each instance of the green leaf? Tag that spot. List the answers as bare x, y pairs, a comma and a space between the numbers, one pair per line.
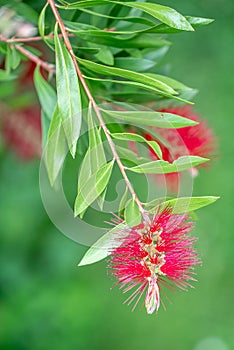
46, 93
56, 149
97, 156
84, 174
140, 86
164, 167
68, 91
93, 187
137, 41
194, 21
41, 22
132, 213
118, 39
199, 21
12, 58
159, 119
41, 26
104, 246
186, 204
96, 150
94, 158
164, 14
139, 77
8, 60
134, 137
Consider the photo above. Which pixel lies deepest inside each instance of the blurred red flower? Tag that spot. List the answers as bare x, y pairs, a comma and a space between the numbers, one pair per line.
198, 140
21, 131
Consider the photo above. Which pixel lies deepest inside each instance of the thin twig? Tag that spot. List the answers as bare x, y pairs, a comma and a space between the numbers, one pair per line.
95, 106
45, 65
33, 38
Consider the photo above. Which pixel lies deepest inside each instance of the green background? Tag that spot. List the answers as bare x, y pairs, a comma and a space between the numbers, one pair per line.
46, 302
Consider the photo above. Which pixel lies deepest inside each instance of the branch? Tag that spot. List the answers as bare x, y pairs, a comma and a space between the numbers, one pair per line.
32, 38
95, 107
47, 66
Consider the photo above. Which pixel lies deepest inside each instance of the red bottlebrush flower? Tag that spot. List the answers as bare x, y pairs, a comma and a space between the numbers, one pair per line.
21, 132
197, 140
153, 255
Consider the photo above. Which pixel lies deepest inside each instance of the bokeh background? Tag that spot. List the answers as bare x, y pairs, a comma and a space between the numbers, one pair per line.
47, 303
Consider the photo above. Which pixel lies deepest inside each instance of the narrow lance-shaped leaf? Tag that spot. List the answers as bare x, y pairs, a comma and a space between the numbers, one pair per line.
41, 26
139, 77
47, 98
93, 187
187, 204
159, 119
97, 153
12, 58
141, 86
8, 60
56, 149
41, 21
164, 14
94, 158
194, 21
68, 91
164, 167
84, 174
100, 160
46, 93
136, 41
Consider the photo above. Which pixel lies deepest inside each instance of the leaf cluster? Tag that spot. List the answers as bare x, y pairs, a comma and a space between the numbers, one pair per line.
116, 54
